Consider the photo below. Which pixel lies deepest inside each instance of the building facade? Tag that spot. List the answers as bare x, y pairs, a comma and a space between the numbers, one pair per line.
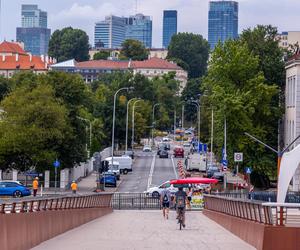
222, 21
292, 109
150, 68
139, 27
34, 32
288, 38
169, 26
14, 59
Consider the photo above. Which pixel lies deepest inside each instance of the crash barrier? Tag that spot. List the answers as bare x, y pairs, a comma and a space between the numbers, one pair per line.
135, 201
181, 169
263, 225
27, 223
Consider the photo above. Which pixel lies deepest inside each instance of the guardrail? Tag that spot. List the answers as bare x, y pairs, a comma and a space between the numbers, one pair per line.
56, 203
281, 214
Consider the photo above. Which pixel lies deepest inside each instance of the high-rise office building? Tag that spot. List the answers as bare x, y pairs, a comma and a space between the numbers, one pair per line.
34, 32
139, 27
110, 33
222, 21
169, 26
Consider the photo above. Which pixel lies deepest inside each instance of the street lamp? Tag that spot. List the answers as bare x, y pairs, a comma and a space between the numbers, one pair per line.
114, 115
153, 110
132, 135
193, 102
90, 137
126, 140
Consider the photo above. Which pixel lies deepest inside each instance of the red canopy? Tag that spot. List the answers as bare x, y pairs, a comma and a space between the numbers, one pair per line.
194, 180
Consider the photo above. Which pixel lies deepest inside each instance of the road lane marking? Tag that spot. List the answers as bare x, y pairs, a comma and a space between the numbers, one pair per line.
151, 172
174, 168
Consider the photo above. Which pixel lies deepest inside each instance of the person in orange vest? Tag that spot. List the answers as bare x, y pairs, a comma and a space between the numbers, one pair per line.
74, 187
35, 185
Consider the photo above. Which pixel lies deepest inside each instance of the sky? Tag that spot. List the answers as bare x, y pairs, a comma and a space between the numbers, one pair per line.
192, 14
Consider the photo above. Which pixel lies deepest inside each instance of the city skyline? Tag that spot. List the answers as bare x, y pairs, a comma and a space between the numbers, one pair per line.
193, 17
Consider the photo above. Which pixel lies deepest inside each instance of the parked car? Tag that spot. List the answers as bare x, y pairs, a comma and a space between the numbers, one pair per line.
211, 170
156, 191
178, 152
13, 188
147, 148
109, 179
163, 154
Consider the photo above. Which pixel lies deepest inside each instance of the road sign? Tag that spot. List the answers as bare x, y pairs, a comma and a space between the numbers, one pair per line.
225, 163
238, 157
248, 170
56, 164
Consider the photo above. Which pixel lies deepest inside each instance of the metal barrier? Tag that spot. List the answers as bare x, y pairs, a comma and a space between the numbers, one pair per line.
136, 201
56, 203
285, 214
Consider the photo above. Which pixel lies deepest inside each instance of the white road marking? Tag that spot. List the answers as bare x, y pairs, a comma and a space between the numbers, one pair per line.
151, 172
174, 168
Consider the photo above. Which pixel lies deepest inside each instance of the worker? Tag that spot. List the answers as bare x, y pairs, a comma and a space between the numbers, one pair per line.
74, 187
35, 185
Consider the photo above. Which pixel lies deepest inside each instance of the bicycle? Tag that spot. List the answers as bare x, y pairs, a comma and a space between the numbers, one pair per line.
180, 218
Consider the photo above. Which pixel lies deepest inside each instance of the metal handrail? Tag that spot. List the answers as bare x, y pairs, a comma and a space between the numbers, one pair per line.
66, 202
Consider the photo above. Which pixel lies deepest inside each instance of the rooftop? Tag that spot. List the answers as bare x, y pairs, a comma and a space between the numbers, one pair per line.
11, 48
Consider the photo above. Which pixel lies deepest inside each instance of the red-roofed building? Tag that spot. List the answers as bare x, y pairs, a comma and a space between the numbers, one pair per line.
153, 67
14, 59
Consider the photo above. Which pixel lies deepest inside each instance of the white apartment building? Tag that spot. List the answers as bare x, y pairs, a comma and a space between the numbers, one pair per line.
292, 109
289, 38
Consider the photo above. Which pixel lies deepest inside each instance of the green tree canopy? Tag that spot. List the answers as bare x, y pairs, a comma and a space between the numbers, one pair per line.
192, 50
134, 50
69, 43
101, 55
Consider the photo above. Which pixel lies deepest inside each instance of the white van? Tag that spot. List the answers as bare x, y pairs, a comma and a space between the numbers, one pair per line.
196, 162
125, 163
114, 168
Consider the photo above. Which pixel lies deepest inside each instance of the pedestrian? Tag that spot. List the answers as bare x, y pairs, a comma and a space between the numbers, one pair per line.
74, 187
165, 199
35, 185
189, 197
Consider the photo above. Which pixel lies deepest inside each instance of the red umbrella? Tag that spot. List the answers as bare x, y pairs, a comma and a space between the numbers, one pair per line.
194, 180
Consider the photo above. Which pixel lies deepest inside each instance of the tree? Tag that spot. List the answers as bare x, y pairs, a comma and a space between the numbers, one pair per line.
239, 92
4, 87
101, 55
69, 43
192, 50
134, 50
32, 128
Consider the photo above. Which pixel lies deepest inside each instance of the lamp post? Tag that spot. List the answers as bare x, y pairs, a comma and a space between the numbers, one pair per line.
198, 114
90, 137
174, 124
114, 115
212, 136
153, 110
132, 135
126, 146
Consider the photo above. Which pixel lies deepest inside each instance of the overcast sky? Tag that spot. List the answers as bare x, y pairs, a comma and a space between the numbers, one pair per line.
192, 14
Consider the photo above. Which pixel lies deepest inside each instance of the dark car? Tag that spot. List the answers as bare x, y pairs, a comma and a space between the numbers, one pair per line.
163, 154
109, 180
167, 146
179, 152
211, 171
12, 188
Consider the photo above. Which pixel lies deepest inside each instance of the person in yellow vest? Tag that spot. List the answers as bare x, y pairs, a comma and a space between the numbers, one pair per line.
74, 187
35, 185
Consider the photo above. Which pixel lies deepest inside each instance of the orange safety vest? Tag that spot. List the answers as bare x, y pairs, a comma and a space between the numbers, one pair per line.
74, 186
35, 184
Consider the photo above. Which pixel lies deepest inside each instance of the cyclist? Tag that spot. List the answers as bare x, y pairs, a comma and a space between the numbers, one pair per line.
165, 199
180, 201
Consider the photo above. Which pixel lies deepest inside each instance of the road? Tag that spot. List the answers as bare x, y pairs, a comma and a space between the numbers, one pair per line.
148, 170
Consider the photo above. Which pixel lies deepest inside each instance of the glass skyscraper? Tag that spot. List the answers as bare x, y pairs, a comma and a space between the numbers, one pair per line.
222, 21
169, 26
139, 27
110, 33
34, 32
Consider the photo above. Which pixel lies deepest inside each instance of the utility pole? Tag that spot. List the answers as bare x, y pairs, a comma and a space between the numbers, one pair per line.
174, 124
182, 121
212, 136
153, 110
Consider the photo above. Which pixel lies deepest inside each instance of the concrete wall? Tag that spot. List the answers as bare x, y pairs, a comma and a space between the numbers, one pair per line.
25, 230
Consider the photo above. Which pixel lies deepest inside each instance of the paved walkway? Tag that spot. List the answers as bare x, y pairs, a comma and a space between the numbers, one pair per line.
135, 230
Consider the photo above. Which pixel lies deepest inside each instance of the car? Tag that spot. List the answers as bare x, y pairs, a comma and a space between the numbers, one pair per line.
211, 170
156, 191
166, 139
218, 176
167, 146
186, 145
163, 154
178, 152
14, 189
129, 153
147, 148
109, 179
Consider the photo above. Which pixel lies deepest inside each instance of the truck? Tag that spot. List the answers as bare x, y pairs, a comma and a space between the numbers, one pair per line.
125, 163
196, 162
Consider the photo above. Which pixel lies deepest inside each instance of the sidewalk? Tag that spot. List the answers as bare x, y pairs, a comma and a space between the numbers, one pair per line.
87, 184
130, 230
